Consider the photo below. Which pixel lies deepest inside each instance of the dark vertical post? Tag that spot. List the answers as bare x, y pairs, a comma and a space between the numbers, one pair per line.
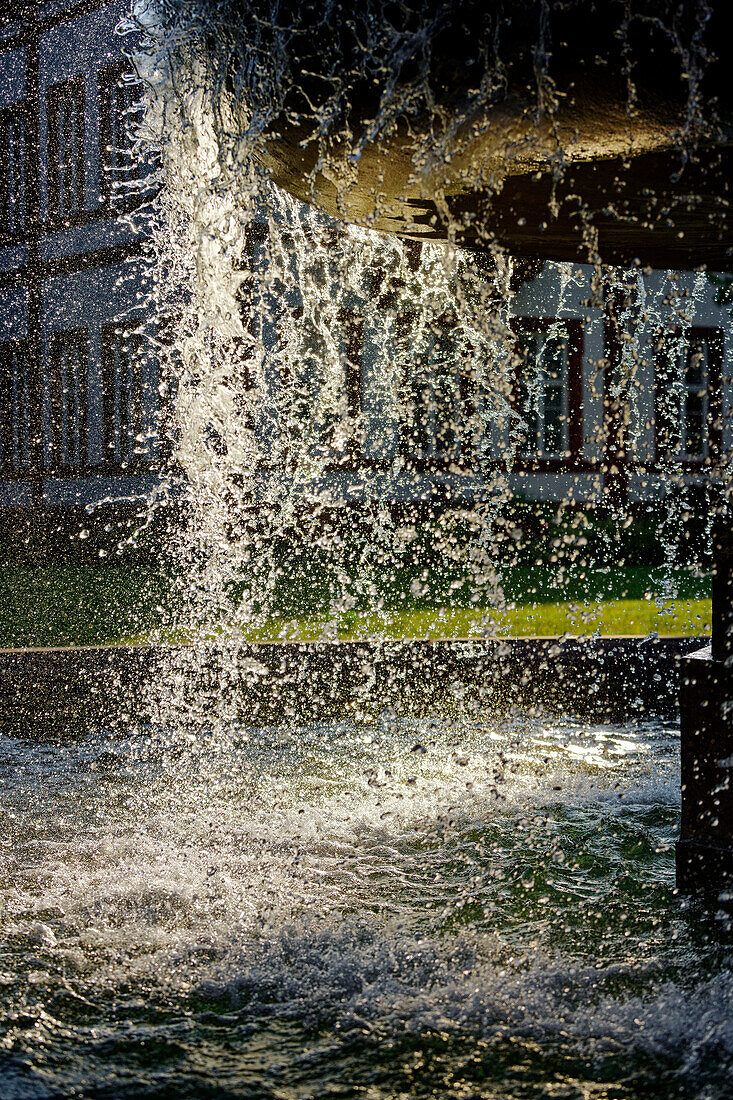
722, 641
705, 848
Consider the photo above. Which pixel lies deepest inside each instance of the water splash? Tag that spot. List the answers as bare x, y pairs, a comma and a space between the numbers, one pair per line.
190, 916
345, 415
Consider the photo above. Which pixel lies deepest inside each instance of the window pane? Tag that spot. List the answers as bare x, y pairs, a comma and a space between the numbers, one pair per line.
14, 183
20, 406
16, 176
66, 149
433, 414
695, 365
123, 398
12, 172
682, 399
554, 420
72, 406
14, 406
66, 441
438, 406
695, 427
542, 394
420, 434
445, 400
696, 372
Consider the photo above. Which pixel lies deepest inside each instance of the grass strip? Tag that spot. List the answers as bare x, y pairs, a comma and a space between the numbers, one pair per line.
613, 618
119, 602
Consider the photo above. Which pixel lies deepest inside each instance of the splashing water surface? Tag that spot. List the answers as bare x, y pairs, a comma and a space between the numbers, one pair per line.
405, 909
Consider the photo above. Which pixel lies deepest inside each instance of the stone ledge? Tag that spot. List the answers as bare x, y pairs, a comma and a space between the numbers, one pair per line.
55, 691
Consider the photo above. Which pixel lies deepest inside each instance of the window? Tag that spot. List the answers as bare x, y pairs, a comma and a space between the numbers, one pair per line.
12, 171
548, 389
694, 393
543, 394
123, 171
687, 377
436, 398
65, 150
122, 397
66, 437
320, 387
14, 406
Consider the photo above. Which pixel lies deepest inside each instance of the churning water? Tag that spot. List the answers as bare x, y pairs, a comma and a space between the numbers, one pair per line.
423, 909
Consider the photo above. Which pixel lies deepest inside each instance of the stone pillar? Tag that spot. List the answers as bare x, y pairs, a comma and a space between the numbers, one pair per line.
705, 848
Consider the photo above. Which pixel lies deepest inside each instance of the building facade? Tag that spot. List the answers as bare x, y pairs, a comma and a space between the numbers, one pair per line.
79, 394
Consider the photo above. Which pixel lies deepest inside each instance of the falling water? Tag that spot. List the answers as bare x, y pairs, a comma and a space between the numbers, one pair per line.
306, 512
459, 904
275, 319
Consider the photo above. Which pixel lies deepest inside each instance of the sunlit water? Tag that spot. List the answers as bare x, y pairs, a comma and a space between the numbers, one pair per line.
404, 910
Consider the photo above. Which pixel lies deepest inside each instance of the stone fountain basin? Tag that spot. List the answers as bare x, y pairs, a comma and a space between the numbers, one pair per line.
53, 691
554, 128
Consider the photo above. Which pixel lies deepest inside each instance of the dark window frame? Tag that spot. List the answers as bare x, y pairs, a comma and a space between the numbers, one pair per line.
11, 441
66, 92
116, 199
714, 338
572, 459
58, 434
117, 428
15, 112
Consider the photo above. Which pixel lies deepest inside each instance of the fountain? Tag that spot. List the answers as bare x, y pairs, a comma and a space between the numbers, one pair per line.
551, 129
225, 899
544, 132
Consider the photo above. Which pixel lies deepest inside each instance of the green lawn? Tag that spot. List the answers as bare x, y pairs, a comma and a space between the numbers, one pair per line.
613, 617
84, 604
132, 600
